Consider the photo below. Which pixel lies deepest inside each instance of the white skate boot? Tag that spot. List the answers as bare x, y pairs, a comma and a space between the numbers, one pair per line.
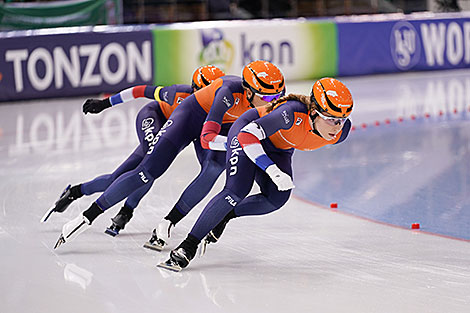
72, 229
160, 236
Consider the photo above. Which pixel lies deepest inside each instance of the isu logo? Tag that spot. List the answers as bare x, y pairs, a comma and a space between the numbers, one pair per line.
405, 46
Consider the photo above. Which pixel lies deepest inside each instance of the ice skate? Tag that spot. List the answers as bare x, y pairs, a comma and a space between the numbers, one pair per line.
119, 221
212, 237
160, 236
72, 229
179, 259
61, 205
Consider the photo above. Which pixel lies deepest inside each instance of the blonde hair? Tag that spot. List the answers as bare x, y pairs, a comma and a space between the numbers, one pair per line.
301, 98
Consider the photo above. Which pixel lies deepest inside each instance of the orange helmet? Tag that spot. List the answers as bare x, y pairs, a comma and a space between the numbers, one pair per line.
332, 96
204, 75
263, 77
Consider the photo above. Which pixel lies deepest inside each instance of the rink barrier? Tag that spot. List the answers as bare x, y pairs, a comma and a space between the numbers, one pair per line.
399, 43
73, 61
78, 61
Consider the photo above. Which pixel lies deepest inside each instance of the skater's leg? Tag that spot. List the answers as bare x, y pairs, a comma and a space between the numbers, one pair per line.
211, 169
148, 122
199, 187
152, 166
212, 165
238, 184
240, 173
224, 206
174, 136
268, 200
213, 213
183, 127
134, 198
100, 183
192, 195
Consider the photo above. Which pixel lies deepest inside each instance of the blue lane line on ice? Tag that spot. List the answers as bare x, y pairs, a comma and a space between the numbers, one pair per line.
324, 207
398, 174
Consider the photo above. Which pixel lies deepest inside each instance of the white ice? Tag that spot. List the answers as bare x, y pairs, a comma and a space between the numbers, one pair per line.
302, 258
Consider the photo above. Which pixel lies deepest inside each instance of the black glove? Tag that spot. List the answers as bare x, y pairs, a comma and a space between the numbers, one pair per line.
95, 105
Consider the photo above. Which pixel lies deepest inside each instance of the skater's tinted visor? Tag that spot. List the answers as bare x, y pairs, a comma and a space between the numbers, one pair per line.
330, 120
269, 98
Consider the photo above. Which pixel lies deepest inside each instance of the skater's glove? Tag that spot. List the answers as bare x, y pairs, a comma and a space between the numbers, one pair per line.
282, 180
95, 106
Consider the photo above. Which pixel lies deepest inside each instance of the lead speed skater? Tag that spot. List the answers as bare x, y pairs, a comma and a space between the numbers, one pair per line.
263, 141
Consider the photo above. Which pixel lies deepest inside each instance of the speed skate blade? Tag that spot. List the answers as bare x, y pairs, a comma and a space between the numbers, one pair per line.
203, 248
112, 232
153, 246
47, 215
60, 241
169, 265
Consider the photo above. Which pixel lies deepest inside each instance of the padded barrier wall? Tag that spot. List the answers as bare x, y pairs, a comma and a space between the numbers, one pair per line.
91, 60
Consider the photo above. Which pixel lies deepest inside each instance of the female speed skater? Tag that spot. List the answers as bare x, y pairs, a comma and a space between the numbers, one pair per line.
222, 102
150, 119
259, 148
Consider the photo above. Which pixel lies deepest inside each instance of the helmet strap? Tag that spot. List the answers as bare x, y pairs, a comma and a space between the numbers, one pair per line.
194, 87
250, 99
312, 118
314, 130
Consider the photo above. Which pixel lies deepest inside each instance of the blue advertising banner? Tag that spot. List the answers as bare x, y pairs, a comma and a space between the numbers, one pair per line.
407, 43
70, 64
89, 60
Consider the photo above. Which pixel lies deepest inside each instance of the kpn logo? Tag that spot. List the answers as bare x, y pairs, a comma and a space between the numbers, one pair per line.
215, 49
405, 45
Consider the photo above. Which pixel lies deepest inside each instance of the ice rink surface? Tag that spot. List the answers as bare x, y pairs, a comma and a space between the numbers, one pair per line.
411, 168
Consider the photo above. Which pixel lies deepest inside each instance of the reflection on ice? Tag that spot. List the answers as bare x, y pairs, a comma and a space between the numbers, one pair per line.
178, 279
75, 274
